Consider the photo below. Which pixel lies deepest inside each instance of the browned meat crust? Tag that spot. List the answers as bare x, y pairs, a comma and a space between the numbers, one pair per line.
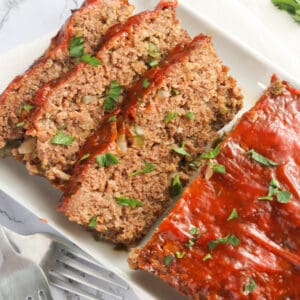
187, 99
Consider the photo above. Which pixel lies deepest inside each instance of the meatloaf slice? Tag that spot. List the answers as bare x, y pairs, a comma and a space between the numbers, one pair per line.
136, 165
89, 23
236, 235
72, 108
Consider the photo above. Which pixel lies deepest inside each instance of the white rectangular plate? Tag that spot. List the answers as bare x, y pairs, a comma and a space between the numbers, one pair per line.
249, 68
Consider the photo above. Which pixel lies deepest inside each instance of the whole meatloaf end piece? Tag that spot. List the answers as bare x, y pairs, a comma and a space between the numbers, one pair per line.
163, 126
236, 235
89, 23
73, 107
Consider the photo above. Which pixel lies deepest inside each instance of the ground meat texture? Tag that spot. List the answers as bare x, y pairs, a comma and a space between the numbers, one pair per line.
243, 247
75, 104
90, 22
192, 79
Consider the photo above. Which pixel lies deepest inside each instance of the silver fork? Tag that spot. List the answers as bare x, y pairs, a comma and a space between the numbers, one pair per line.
20, 278
69, 268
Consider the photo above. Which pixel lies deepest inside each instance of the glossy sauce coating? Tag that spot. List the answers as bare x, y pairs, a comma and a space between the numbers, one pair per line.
268, 252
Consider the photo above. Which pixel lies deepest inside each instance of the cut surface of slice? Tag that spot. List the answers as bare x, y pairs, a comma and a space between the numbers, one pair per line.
83, 33
142, 156
236, 235
74, 106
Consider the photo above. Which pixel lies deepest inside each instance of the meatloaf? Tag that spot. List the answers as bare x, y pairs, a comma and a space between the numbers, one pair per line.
70, 110
142, 156
88, 25
236, 235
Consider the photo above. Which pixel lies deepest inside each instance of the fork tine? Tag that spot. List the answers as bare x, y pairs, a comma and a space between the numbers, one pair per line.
77, 265
71, 288
60, 270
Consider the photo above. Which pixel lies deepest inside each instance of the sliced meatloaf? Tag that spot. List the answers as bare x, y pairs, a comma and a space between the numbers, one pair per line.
236, 235
134, 166
70, 110
88, 24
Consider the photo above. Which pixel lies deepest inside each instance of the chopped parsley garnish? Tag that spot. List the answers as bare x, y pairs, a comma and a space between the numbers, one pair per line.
113, 95
112, 119
219, 169
153, 63
180, 254
194, 230
131, 202
190, 115
262, 159
233, 215
291, 6
212, 153
208, 256
91, 60
176, 186
106, 160
229, 239
20, 124
190, 243
171, 116
93, 222
168, 259
85, 156
181, 150
76, 46
250, 286
275, 190
26, 107
145, 83
149, 167
175, 92
62, 138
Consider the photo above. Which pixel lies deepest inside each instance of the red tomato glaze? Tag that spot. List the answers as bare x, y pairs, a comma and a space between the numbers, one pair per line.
265, 261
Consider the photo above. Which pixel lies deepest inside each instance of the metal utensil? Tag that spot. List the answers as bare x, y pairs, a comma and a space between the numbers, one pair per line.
67, 267
20, 278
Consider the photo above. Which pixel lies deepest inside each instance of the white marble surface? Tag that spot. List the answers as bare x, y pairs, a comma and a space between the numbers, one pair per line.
255, 22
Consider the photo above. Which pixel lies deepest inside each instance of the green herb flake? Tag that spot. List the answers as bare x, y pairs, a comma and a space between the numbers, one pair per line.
181, 150
212, 153
131, 202
168, 259
233, 215
219, 169
229, 239
91, 60
20, 124
149, 167
171, 116
275, 190
145, 83
290, 6
262, 159
26, 107
76, 47
93, 222
112, 119
113, 96
250, 286
175, 92
179, 255
62, 138
190, 115
176, 186
85, 156
190, 243
106, 160
208, 256
153, 63
153, 50
194, 230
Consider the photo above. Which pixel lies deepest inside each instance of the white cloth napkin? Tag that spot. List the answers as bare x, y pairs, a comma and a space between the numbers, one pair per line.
260, 25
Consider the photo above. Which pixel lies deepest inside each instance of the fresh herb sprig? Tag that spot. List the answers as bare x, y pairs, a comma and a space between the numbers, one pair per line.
291, 6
